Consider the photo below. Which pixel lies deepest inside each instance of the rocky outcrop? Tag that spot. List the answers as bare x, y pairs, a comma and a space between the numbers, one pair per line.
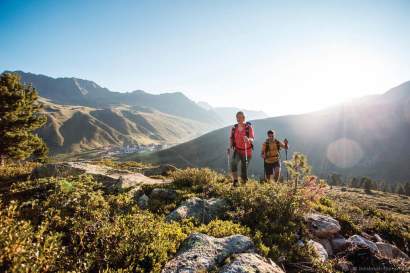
143, 201
359, 241
322, 226
338, 243
319, 250
109, 177
163, 194
163, 170
250, 263
202, 253
202, 210
390, 251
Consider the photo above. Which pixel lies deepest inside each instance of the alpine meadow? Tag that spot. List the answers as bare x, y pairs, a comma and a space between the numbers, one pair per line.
205, 136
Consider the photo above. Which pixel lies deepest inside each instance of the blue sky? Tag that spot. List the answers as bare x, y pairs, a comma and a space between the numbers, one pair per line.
282, 57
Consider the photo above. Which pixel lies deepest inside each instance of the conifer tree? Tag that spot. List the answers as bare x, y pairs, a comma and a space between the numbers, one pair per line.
19, 117
368, 184
407, 188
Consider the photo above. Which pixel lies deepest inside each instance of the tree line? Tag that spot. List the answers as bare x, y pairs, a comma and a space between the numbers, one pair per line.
369, 184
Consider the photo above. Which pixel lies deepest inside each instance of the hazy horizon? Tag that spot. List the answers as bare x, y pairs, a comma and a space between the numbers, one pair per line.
280, 58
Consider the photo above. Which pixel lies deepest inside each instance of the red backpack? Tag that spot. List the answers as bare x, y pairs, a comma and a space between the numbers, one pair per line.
248, 125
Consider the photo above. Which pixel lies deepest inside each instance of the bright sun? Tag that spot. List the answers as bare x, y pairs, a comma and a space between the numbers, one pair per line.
314, 78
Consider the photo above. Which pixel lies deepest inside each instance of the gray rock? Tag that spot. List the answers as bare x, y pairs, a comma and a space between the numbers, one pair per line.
319, 249
163, 194
202, 253
390, 251
344, 266
327, 245
338, 243
322, 226
143, 201
378, 238
199, 209
109, 177
357, 240
136, 193
163, 170
249, 263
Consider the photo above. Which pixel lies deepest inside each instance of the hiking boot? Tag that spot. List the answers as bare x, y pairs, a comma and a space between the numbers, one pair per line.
235, 183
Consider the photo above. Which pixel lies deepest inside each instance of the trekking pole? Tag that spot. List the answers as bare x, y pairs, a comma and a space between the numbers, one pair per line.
228, 155
246, 155
286, 154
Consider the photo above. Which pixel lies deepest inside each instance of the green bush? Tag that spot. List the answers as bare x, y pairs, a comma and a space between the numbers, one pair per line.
23, 246
197, 180
74, 224
220, 228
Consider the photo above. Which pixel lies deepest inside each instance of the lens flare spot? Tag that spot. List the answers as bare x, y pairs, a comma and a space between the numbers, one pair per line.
344, 153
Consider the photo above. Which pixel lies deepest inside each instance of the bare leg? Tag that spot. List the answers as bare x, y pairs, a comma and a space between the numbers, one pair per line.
277, 173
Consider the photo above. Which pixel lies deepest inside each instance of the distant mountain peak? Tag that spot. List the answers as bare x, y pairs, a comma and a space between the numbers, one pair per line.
399, 92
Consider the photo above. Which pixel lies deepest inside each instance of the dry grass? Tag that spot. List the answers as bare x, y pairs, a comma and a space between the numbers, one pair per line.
393, 204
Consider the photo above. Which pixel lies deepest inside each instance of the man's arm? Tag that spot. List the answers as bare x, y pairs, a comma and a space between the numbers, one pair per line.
263, 150
282, 145
251, 137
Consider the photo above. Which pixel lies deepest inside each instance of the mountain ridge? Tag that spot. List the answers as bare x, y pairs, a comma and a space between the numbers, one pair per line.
74, 91
364, 137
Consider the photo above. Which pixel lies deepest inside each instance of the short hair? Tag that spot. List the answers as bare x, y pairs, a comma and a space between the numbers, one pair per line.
240, 113
271, 132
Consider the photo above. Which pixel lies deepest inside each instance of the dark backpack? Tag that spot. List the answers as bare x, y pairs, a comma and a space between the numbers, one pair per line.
247, 128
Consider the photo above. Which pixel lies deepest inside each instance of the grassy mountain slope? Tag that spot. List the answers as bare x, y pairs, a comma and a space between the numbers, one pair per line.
364, 137
74, 128
73, 91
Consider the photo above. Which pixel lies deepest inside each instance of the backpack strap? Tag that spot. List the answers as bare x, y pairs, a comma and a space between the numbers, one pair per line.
266, 146
233, 135
248, 125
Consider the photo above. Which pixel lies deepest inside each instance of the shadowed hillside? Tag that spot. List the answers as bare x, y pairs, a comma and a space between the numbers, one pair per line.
368, 137
74, 128
75, 91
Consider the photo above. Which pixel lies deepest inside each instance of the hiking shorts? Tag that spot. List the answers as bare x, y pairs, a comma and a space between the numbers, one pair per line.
270, 167
239, 158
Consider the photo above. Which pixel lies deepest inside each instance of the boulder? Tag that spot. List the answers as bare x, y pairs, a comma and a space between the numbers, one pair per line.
163, 170
136, 193
344, 266
390, 251
202, 210
322, 226
319, 250
163, 194
249, 263
357, 240
327, 245
203, 253
143, 201
378, 238
338, 243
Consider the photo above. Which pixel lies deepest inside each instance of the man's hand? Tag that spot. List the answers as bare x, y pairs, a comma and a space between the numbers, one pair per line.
286, 143
247, 139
